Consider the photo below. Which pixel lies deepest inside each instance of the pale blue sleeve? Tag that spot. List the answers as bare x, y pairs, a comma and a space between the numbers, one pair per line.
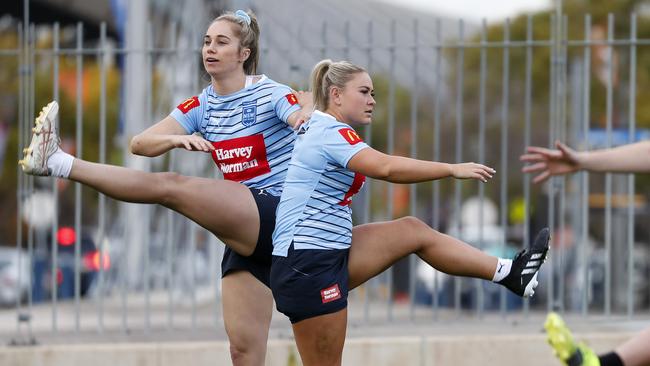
283, 103
190, 113
341, 143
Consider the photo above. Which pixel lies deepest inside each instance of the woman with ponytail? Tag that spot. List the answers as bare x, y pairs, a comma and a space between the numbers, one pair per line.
318, 256
245, 121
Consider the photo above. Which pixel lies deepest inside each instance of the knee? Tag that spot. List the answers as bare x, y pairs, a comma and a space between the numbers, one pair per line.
237, 353
170, 184
413, 225
244, 353
418, 230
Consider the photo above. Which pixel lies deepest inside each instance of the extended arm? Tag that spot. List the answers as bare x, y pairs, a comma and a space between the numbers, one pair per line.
632, 158
164, 136
397, 169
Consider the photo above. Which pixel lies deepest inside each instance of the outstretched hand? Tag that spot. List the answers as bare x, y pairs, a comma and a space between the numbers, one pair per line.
549, 162
192, 143
472, 171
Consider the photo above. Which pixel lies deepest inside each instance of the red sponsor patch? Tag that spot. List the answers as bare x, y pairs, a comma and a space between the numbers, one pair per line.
350, 135
330, 294
241, 158
189, 104
357, 183
291, 98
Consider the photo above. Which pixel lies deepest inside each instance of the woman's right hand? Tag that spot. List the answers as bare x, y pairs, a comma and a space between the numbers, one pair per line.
191, 143
550, 162
165, 135
472, 171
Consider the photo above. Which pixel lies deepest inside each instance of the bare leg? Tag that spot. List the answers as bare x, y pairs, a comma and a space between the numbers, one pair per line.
320, 339
247, 309
377, 246
220, 206
635, 352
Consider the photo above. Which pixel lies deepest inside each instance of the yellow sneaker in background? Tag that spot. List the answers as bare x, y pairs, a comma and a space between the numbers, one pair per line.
564, 346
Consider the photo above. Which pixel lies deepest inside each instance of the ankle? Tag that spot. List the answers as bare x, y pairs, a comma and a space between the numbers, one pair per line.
502, 269
60, 164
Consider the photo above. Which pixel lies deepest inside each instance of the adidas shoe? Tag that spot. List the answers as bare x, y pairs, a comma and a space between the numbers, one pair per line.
564, 346
45, 142
522, 278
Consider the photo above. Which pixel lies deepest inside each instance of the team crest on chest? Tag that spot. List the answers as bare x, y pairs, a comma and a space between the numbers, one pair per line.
249, 113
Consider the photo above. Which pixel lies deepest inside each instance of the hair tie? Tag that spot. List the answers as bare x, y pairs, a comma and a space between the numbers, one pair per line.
243, 16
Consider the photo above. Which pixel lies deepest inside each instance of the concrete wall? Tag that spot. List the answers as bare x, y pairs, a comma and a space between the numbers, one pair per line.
502, 350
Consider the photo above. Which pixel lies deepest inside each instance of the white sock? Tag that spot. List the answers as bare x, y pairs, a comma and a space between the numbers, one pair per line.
502, 270
60, 164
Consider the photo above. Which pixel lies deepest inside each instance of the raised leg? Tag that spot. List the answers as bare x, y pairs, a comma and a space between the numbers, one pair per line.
225, 208
377, 246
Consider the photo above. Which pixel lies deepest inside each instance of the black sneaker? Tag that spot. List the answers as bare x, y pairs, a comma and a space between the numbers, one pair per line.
522, 278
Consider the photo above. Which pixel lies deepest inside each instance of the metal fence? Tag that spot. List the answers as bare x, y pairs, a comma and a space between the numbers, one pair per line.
442, 102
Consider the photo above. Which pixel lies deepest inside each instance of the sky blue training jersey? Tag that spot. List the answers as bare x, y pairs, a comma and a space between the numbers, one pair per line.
248, 129
314, 210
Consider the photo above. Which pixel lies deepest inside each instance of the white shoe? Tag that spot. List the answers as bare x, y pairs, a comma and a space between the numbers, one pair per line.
45, 142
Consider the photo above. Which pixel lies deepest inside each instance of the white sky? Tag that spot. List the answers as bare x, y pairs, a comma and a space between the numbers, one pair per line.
492, 10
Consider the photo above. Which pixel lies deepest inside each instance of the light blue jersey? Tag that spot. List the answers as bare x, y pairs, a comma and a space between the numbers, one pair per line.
248, 129
314, 210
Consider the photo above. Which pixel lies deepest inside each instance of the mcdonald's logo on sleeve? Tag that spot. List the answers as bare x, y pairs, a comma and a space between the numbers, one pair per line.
189, 104
291, 98
350, 135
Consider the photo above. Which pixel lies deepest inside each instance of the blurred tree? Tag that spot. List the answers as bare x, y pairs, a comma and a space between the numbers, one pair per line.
575, 11
9, 78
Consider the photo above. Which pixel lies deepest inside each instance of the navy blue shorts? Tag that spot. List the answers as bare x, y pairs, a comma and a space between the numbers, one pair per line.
310, 282
258, 263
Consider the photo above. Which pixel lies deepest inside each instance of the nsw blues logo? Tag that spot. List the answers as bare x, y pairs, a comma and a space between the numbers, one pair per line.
249, 113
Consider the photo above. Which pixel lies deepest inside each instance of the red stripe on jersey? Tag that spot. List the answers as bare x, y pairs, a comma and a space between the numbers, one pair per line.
357, 183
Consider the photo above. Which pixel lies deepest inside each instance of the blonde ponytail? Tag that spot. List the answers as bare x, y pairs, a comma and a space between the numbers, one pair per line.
327, 74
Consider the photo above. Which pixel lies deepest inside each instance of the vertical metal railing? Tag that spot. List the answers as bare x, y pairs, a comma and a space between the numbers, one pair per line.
436, 151
77, 185
505, 85
413, 201
391, 147
458, 157
551, 136
608, 176
584, 234
101, 207
55, 192
481, 155
30, 107
630, 178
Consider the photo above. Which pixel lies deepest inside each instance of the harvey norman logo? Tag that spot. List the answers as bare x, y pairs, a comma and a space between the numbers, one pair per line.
241, 158
244, 152
330, 294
